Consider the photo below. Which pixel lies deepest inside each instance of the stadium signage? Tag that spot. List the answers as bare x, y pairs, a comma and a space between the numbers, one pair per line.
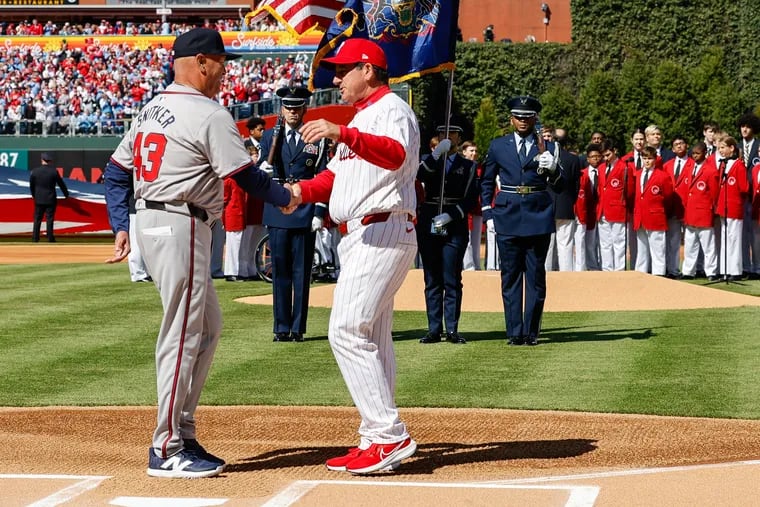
26, 3
240, 42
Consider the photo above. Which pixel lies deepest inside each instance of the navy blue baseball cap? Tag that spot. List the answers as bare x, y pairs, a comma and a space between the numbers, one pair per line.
201, 41
524, 106
294, 96
47, 156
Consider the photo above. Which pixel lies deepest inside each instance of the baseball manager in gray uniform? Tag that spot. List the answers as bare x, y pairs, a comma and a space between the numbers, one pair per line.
180, 147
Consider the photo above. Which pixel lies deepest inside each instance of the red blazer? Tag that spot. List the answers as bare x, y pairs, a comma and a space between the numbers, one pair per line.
680, 185
233, 217
734, 188
703, 194
616, 191
652, 206
756, 193
587, 203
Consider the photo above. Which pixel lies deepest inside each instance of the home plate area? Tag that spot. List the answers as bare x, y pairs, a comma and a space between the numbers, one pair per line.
722, 484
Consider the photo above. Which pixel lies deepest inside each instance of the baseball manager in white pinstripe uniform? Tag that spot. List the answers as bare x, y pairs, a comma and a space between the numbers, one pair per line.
370, 187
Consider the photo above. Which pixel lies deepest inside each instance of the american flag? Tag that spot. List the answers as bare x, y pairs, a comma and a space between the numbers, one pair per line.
300, 15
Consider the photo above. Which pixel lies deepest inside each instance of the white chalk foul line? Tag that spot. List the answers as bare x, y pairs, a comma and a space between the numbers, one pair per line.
85, 483
623, 473
579, 496
147, 501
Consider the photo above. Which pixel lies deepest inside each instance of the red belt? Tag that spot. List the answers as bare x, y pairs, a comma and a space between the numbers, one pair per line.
371, 219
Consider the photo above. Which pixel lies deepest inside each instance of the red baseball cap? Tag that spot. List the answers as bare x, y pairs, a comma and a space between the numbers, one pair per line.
357, 51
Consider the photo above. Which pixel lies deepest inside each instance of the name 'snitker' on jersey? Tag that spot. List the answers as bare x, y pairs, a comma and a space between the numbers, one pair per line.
156, 113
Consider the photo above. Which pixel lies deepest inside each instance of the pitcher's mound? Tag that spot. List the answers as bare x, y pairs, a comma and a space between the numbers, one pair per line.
566, 292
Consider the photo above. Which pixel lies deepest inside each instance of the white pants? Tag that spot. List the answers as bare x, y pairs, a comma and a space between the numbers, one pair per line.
612, 245
650, 249
232, 253
137, 269
696, 239
472, 254
565, 241
375, 260
674, 235
731, 234
251, 237
492, 252
580, 246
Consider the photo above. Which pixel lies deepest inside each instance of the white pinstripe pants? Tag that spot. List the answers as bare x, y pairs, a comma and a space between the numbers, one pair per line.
374, 262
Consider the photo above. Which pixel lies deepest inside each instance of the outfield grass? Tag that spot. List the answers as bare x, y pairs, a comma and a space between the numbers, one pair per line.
82, 334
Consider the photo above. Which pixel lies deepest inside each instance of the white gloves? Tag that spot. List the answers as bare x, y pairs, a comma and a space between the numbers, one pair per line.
316, 224
266, 167
443, 147
442, 219
489, 226
547, 162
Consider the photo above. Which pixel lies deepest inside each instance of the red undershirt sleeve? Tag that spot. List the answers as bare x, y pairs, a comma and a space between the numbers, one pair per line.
318, 188
379, 150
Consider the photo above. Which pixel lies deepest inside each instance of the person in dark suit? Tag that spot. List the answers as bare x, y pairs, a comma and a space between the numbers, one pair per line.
654, 139
42, 182
522, 215
561, 245
442, 231
291, 236
749, 127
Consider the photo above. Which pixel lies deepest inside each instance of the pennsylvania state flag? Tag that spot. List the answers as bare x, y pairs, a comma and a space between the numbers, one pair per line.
418, 36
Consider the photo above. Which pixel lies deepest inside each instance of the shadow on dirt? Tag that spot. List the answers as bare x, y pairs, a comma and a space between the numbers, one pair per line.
429, 457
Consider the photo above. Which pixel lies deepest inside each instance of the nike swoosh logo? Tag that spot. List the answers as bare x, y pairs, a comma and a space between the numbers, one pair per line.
409, 229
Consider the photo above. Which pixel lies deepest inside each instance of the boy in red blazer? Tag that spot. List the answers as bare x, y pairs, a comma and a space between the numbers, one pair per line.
233, 219
617, 191
654, 193
586, 237
680, 169
734, 189
700, 201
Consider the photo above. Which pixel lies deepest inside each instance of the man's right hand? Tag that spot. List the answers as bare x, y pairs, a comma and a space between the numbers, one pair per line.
489, 226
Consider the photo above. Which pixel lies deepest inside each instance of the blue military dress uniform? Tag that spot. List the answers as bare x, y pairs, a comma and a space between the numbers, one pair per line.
291, 239
522, 211
443, 255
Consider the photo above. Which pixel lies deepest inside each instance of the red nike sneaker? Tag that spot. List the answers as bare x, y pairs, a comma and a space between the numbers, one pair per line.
380, 456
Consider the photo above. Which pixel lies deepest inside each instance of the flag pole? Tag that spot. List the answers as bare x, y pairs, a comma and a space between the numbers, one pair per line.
449, 94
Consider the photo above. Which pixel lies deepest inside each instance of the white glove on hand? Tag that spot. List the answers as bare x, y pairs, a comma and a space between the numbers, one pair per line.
316, 224
546, 162
266, 167
443, 147
442, 219
489, 226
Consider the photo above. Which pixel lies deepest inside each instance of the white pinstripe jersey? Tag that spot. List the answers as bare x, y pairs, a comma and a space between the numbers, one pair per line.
180, 146
362, 188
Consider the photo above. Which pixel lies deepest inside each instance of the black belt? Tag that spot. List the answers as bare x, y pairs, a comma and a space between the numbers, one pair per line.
194, 210
522, 189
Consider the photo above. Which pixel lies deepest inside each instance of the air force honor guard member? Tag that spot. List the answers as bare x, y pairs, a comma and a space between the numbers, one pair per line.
291, 238
522, 215
442, 232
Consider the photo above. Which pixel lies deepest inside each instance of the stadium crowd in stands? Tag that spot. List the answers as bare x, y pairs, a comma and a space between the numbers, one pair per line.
97, 89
